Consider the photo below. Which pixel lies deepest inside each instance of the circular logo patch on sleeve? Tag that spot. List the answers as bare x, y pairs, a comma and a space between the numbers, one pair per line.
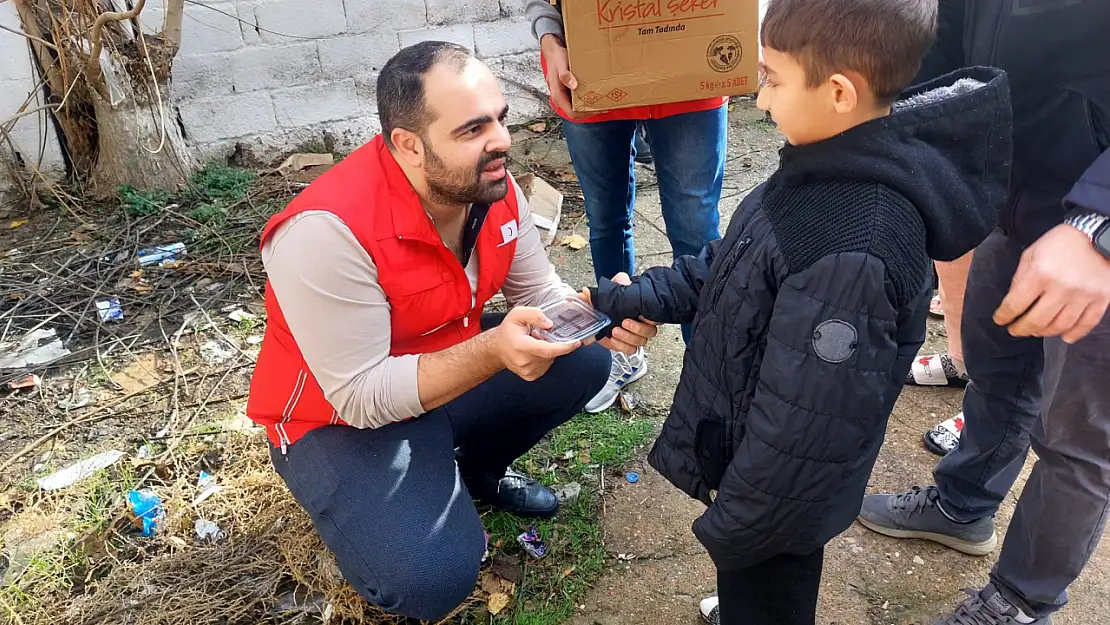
835, 340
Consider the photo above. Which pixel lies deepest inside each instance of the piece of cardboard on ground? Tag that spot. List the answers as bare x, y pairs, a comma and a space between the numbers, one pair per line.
546, 202
628, 53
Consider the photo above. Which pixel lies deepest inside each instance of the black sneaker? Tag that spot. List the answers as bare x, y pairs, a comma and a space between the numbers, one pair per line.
989, 607
519, 494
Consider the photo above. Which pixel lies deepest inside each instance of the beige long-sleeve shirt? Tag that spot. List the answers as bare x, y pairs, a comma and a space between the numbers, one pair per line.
327, 287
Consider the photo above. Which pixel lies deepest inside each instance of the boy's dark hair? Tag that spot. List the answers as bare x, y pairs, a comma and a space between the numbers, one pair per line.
401, 85
882, 40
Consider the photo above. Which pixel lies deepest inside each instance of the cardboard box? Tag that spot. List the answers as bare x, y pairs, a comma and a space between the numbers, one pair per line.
546, 203
628, 53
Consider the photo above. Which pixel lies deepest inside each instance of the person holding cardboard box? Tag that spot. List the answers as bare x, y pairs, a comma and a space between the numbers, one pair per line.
808, 314
688, 146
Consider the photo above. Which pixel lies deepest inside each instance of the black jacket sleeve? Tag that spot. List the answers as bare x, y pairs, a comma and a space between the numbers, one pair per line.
660, 294
818, 415
1091, 194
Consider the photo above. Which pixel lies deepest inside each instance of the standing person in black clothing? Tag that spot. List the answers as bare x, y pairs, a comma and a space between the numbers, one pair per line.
806, 316
1035, 333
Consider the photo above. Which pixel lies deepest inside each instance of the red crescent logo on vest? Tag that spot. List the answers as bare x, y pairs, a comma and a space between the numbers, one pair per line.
509, 232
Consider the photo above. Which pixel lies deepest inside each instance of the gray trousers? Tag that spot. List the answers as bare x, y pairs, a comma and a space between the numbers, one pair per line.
1039, 392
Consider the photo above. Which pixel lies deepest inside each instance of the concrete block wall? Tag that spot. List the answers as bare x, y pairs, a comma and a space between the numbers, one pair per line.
272, 75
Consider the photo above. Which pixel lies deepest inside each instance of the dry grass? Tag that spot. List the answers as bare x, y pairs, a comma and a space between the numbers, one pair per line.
110, 574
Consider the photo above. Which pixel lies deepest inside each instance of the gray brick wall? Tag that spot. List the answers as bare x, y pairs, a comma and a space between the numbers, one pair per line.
273, 74
290, 72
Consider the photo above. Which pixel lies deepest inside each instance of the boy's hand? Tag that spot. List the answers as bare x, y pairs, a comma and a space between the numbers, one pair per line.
1061, 286
632, 334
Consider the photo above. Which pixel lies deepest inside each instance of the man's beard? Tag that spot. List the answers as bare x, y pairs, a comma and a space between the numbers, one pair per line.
463, 185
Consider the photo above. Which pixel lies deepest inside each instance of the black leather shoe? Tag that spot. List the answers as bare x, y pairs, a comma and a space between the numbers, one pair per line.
516, 493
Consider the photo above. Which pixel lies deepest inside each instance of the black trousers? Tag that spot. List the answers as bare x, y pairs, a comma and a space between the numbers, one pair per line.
779, 591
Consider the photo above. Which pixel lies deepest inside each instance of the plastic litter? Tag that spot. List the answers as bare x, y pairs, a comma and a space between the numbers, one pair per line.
161, 254
632, 477
147, 512
80, 399
36, 348
532, 543
485, 556
80, 470
215, 352
208, 531
240, 315
110, 310
629, 400
312, 604
207, 484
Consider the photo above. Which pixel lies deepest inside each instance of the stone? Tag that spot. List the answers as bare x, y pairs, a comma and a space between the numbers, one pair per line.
567, 494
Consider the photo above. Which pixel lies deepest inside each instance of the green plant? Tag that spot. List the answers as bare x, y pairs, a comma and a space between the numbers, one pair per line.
138, 203
220, 182
209, 212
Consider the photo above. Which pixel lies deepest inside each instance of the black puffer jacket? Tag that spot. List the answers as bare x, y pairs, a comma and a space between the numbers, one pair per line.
808, 313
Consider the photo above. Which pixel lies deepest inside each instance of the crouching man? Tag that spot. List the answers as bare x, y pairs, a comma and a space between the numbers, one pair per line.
389, 400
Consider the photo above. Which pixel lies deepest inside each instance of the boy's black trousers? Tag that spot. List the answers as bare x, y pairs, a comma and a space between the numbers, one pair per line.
779, 591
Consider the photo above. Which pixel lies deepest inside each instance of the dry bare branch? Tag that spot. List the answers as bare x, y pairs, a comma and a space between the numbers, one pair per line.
26, 36
92, 69
171, 30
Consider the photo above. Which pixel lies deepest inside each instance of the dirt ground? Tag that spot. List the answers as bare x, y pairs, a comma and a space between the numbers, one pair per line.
659, 572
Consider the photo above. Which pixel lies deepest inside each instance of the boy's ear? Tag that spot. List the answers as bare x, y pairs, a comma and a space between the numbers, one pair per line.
845, 93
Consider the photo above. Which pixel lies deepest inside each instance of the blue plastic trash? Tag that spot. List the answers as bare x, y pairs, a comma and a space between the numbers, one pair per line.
146, 508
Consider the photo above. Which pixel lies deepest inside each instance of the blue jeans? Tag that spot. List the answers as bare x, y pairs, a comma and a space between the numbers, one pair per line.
689, 154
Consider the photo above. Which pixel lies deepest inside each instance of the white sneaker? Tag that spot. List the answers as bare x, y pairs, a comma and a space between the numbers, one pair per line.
711, 611
625, 370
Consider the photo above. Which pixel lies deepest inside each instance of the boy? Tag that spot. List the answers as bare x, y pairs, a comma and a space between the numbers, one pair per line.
807, 315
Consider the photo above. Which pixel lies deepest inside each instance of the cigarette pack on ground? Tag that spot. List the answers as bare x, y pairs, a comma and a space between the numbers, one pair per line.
628, 53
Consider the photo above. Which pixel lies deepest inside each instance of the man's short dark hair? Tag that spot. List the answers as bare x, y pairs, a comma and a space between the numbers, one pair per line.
883, 40
400, 88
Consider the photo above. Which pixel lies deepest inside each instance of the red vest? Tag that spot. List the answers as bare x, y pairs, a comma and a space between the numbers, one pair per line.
431, 305
656, 111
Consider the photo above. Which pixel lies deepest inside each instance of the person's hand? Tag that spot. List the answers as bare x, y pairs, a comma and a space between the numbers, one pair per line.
1061, 286
632, 334
560, 82
522, 353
